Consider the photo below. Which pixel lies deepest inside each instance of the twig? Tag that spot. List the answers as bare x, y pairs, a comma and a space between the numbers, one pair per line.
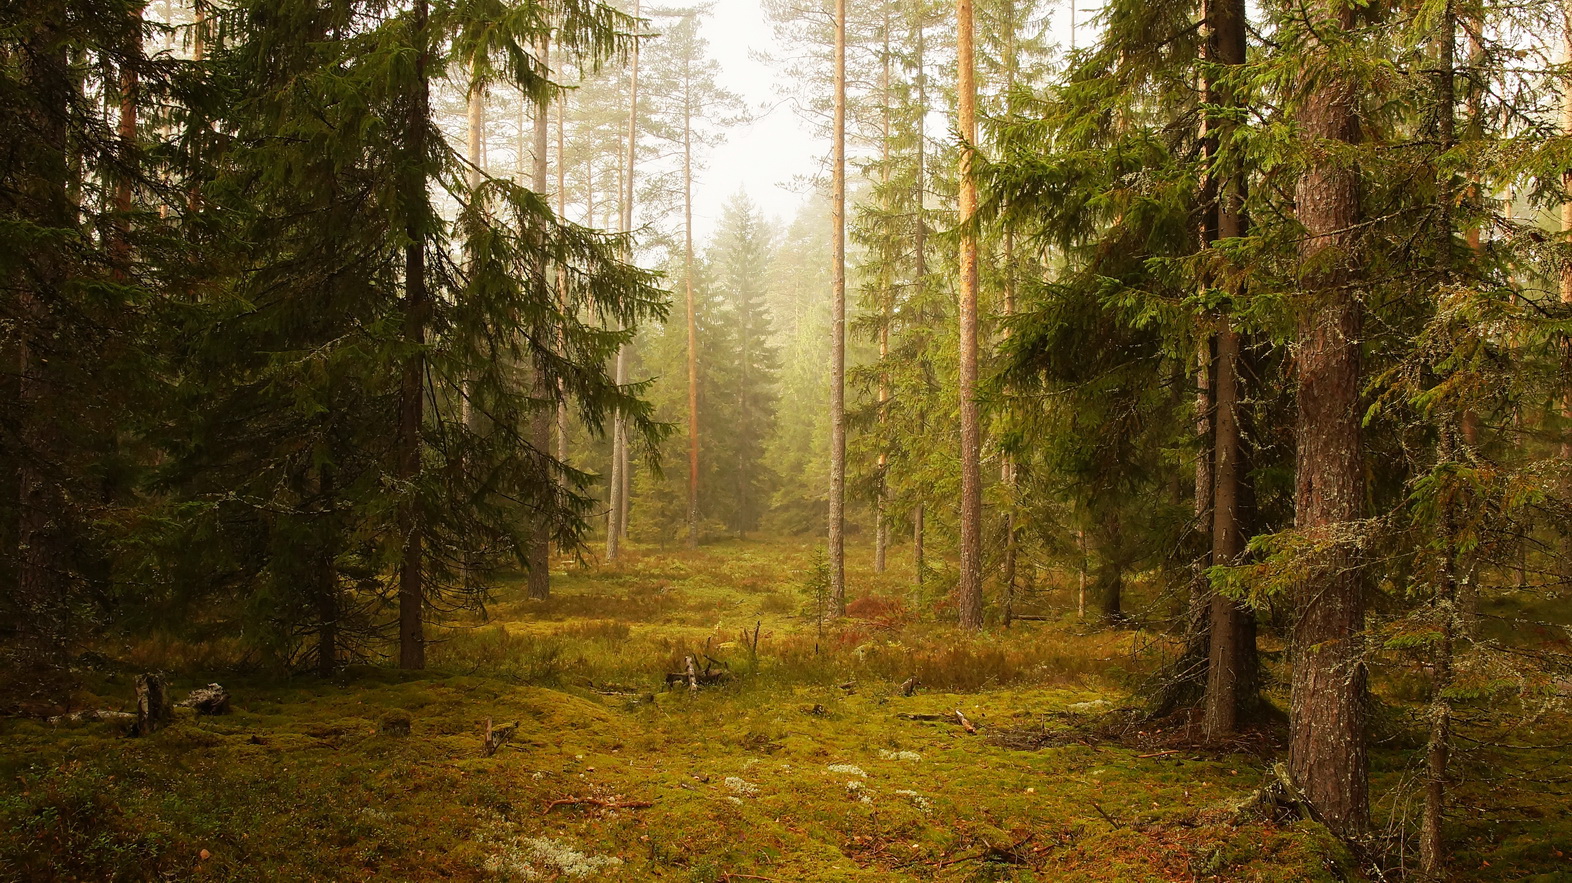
591, 801
1158, 754
1106, 816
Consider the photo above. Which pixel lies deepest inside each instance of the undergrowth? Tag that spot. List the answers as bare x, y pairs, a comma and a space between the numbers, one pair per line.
808, 762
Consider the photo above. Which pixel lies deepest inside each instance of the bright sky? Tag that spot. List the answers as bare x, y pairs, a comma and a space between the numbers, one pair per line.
765, 155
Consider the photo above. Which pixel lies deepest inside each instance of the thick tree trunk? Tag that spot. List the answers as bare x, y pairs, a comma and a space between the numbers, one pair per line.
969, 595
412, 587
837, 539
1327, 752
539, 552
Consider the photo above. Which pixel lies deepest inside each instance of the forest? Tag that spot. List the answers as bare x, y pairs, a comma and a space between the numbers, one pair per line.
1137, 448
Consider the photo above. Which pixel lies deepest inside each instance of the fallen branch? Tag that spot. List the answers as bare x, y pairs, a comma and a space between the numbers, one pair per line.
954, 717
964, 722
595, 802
1158, 754
1009, 855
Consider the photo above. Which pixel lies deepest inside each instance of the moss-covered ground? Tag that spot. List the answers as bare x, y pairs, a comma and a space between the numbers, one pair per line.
798, 768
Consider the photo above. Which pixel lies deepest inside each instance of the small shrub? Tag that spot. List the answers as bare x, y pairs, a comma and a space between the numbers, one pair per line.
883, 612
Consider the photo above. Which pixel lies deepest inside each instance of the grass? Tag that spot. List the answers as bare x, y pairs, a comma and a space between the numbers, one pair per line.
797, 769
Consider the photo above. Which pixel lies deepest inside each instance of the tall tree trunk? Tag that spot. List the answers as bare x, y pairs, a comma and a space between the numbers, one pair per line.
920, 268
327, 578
412, 587
120, 242
881, 527
1226, 678
475, 130
539, 552
693, 322
1327, 752
562, 276
1566, 227
616, 527
838, 326
1007, 461
969, 598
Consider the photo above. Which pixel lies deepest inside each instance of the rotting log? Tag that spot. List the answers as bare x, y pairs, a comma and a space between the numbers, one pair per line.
212, 699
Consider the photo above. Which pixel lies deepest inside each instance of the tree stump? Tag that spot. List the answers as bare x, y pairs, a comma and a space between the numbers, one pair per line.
496, 736
212, 699
153, 709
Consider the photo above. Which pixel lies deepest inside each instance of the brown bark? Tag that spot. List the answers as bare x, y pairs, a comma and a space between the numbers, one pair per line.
1007, 462
538, 555
1227, 679
920, 270
1566, 229
412, 587
1327, 751
837, 538
327, 580
969, 595
120, 242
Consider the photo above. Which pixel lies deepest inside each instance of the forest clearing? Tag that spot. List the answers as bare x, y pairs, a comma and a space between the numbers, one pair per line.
786, 440
799, 767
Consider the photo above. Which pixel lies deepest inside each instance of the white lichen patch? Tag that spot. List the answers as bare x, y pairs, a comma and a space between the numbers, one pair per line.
859, 792
847, 769
741, 787
539, 858
908, 756
917, 800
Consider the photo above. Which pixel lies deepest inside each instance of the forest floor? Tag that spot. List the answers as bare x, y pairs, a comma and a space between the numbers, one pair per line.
798, 768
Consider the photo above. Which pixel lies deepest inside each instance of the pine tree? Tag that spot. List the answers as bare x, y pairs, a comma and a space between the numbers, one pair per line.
741, 257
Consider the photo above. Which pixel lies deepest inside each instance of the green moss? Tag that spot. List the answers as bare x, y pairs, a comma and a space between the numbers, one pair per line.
753, 777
